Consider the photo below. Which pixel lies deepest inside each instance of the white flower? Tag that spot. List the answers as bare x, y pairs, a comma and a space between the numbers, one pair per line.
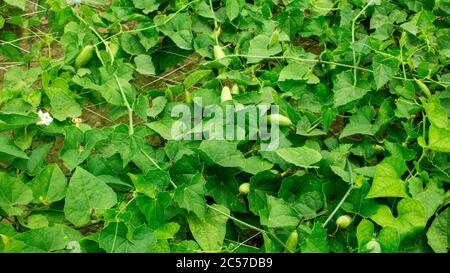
45, 117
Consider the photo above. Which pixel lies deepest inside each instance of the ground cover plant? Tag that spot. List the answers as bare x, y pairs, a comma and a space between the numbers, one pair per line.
89, 162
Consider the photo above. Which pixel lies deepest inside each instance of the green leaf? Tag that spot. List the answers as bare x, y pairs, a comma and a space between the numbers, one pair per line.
357, 203
191, 196
280, 214
410, 218
203, 9
300, 156
431, 197
9, 148
195, 77
221, 152
304, 128
210, 232
129, 146
345, 91
49, 185
37, 221
14, 121
387, 181
262, 184
232, 8
13, 194
383, 70
364, 232
152, 183
439, 232
167, 231
37, 158
294, 71
62, 104
87, 195
304, 191
163, 127
224, 188
259, 48
314, 240
389, 240
144, 65
439, 139
17, 3
188, 247
361, 123
147, 5
47, 239
158, 105
131, 45
114, 239
256, 164
178, 29
153, 209
436, 113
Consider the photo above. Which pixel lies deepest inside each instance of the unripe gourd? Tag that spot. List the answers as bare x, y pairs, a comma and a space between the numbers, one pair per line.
244, 188
343, 221
291, 242
423, 87
85, 56
235, 89
282, 120
373, 246
226, 94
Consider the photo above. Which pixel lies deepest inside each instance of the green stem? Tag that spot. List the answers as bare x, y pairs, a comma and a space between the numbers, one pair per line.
158, 167
121, 210
338, 206
216, 23
352, 186
353, 42
130, 110
403, 63
219, 211
248, 225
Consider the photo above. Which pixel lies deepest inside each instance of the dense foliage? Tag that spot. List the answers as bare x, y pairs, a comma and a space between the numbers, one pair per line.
88, 162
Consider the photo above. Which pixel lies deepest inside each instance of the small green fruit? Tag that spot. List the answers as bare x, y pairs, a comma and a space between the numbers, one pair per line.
359, 181
235, 89
373, 246
423, 87
274, 39
244, 188
378, 149
226, 94
282, 120
291, 242
85, 56
114, 48
187, 97
344, 221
